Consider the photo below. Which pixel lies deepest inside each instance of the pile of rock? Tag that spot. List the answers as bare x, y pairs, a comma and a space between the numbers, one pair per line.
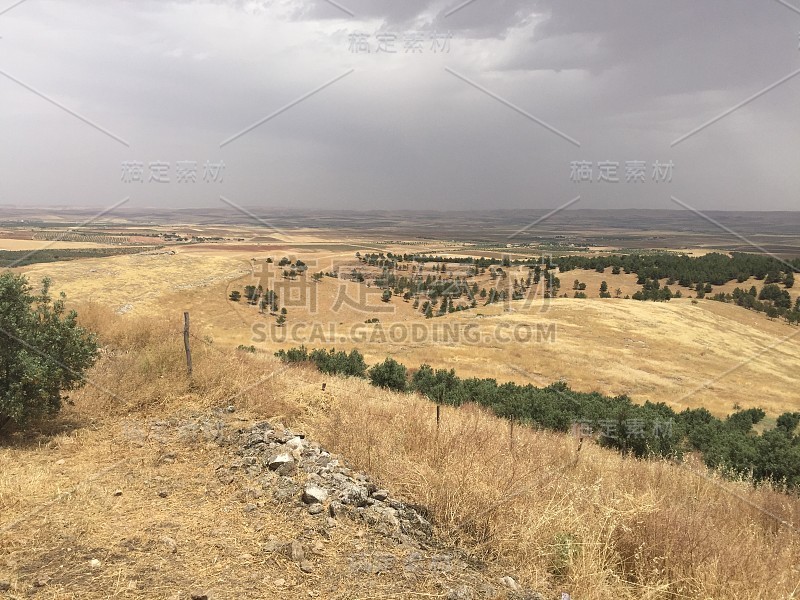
277, 467
275, 457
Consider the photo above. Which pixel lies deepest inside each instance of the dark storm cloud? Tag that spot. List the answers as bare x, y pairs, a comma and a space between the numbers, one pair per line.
624, 77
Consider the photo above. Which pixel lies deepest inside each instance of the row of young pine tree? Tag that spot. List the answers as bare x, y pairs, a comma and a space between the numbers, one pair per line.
643, 430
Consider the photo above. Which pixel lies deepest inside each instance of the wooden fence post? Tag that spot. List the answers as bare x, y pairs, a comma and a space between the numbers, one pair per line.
512, 434
186, 342
438, 417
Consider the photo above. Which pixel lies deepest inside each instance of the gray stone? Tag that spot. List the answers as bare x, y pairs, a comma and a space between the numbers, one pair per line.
339, 478
316, 509
283, 463
353, 494
387, 515
294, 551
380, 495
313, 494
170, 543
5, 586
276, 460
510, 583
335, 509
295, 443
255, 438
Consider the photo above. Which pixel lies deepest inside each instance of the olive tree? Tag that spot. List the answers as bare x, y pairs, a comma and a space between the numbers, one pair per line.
43, 351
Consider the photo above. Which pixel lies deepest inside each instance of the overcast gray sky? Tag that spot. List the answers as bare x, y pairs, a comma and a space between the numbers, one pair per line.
623, 78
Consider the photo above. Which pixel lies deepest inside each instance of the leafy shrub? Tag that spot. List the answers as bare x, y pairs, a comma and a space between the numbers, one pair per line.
330, 361
389, 374
43, 351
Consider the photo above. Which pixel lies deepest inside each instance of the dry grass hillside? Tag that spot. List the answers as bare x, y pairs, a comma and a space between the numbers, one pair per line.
132, 492
687, 355
555, 516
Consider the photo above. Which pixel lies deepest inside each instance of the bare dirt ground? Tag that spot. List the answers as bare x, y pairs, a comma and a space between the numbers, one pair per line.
157, 508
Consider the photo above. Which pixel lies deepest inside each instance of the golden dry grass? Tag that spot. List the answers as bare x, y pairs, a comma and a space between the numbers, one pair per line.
709, 354
138, 280
587, 522
117, 478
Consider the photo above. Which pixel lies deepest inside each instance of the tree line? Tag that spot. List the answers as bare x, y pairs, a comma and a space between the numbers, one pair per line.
772, 300
730, 445
713, 268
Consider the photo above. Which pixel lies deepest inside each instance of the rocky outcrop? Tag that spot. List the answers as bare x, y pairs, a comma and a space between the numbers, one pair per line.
276, 458
281, 469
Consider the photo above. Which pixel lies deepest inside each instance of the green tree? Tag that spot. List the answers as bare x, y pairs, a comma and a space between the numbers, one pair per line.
788, 422
389, 374
744, 420
235, 296
43, 351
387, 295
